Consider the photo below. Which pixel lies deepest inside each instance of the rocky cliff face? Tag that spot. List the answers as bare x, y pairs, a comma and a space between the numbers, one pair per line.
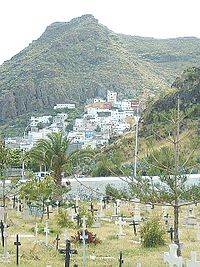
187, 89
81, 59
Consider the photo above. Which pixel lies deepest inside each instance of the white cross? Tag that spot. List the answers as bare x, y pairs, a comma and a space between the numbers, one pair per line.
65, 235
171, 257
121, 224
57, 206
198, 232
76, 202
5, 249
36, 231
84, 237
46, 230
193, 262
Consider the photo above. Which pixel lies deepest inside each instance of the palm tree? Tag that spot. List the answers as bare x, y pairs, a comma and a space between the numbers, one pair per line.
52, 153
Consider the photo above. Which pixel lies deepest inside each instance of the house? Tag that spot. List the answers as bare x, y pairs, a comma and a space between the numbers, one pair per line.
61, 106
111, 96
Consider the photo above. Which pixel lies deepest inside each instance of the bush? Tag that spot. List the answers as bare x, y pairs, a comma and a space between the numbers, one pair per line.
83, 211
63, 219
152, 233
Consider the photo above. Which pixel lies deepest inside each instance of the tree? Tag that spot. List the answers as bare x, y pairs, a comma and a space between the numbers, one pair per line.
7, 158
172, 163
35, 192
52, 153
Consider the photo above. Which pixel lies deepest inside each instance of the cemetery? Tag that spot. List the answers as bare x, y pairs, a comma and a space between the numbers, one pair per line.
97, 233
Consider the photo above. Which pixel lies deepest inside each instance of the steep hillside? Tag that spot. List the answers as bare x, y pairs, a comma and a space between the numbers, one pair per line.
76, 60
187, 89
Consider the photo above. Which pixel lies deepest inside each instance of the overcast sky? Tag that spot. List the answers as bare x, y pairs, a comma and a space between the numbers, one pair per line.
22, 21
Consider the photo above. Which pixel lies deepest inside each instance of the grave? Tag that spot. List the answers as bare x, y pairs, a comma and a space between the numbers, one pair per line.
171, 257
190, 220
198, 232
136, 238
193, 262
6, 256
148, 208
102, 213
84, 237
46, 231
121, 224
136, 212
97, 221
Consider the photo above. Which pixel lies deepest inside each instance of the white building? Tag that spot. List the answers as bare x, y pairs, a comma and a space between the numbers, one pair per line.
35, 120
76, 137
68, 106
99, 100
111, 96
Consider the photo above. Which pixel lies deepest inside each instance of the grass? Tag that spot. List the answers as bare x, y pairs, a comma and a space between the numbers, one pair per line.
38, 255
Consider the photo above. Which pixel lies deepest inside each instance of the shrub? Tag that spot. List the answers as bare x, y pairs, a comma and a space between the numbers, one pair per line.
152, 233
63, 219
83, 211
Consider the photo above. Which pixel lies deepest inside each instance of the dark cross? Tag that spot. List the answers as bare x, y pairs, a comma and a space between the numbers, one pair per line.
120, 259
78, 219
92, 209
2, 235
14, 201
171, 230
134, 227
57, 240
104, 203
20, 205
68, 251
75, 208
17, 244
166, 218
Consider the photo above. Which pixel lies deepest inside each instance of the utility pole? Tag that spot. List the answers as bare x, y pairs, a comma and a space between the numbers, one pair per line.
137, 117
23, 152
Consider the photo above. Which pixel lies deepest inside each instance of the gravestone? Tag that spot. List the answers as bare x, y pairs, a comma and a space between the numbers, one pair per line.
171, 257
121, 261
118, 206
46, 231
97, 221
190, 220
136, 213
102, 213
57, 206
84, 237
193, 262
121, 224
6, 256
136, 237
65, 235
57, 241
17, 243
36, 232
148, 208
92, 209
2, 230
171, 232
198, 232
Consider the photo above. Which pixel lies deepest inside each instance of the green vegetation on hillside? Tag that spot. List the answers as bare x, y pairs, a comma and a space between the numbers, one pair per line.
76, 60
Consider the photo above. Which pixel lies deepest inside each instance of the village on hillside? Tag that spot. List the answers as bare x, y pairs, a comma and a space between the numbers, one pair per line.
102, 119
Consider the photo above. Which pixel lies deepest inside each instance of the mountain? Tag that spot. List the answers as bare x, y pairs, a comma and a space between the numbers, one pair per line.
185, 87
73, 61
